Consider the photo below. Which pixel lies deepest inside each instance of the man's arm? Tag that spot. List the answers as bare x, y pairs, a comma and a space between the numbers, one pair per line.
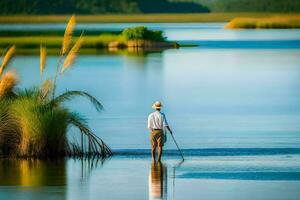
166, 124
149, 123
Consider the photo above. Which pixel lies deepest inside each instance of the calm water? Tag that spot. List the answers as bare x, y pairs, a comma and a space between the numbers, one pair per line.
233, 177
236, 94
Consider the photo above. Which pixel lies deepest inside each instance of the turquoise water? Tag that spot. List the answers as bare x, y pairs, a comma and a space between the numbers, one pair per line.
233, 103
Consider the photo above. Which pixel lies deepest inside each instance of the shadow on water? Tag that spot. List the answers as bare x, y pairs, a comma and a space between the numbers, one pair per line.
89, 164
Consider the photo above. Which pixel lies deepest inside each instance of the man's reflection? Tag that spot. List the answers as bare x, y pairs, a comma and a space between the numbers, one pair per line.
158, 181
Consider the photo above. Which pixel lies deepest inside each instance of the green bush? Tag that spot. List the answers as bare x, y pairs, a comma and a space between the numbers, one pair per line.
142, 33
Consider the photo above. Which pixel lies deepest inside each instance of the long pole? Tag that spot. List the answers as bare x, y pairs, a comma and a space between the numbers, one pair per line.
177, 146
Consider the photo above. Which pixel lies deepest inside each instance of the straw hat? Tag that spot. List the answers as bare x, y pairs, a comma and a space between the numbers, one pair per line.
157, 105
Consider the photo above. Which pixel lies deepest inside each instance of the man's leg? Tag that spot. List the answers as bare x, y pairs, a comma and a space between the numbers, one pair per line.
160, 143
153, 152
159, 151
153, 146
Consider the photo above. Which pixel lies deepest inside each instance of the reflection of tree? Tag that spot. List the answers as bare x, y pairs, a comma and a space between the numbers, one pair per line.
131, 52
144, 60
158, 181
90, 163
32, 172
35, 172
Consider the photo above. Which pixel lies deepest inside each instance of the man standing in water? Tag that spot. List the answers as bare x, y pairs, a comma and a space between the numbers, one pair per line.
156, 123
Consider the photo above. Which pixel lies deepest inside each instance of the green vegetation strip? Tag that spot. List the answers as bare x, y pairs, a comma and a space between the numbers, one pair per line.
25, 32
139, 37
118, 18
55, 41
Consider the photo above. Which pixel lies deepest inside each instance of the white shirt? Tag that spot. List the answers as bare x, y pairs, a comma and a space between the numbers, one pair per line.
157, 120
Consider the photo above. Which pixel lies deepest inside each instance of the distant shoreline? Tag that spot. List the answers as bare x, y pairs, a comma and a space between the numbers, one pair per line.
273, 22
138, 18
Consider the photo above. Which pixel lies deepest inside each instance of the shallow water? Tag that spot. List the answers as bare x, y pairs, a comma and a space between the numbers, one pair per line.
227, 100
131, 177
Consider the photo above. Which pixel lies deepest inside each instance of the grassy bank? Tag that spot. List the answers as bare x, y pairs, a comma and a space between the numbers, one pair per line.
201, 17
23, 32
276, 22
54, 42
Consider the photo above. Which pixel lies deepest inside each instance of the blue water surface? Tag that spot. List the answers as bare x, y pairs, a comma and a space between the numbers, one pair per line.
237, 89
233, 102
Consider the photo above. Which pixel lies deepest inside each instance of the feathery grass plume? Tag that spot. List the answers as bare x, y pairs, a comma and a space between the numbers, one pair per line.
9, 54
68, 35
7, 83
68, 95
43, 54
72, 54
46, 89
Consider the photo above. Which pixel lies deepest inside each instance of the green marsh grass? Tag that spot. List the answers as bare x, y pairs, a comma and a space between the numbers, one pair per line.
274, 22
29, 44
54, 42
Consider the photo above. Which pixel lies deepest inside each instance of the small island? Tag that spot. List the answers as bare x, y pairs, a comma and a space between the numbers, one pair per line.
141, 37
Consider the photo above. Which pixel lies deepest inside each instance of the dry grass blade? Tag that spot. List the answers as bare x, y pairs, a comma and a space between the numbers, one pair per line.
7, 83
68, 35
9, 54
43, 55
66, 96
72, 54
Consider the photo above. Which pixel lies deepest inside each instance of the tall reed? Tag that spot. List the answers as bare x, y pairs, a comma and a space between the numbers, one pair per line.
7, 82
7, 58
69, 59
43, 55
68, 35
72, 55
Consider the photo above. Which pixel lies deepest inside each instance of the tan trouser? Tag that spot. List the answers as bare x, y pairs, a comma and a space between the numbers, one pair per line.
157, 138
